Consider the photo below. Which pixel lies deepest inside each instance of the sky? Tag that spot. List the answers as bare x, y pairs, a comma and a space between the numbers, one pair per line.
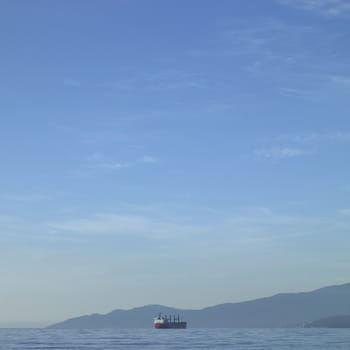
185, 153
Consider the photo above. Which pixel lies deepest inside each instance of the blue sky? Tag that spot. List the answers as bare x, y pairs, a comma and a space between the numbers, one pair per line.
186, 153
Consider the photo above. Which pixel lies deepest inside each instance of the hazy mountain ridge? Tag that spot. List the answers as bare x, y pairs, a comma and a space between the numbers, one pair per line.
281, 310
342, 321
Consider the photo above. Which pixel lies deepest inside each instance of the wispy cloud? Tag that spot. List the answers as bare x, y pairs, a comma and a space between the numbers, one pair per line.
4, 218
280, 153
246, 40
344, 211
340, 80
339, 136
170, 79
99, 161
13, 226
223, 231
281, 52
118, 224
330, 8
174, 79
114, 166
243, 226
316, 137
25, 198
72, 83
264, 210
300, 138
149, 159
267, 40
302, 144
296, 93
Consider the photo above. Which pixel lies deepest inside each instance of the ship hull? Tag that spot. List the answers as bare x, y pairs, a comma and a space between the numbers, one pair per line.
170, 325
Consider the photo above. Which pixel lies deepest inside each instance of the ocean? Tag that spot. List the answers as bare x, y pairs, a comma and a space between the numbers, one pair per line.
238, 339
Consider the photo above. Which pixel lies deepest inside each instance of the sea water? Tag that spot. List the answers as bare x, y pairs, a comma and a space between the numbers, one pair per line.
239, 339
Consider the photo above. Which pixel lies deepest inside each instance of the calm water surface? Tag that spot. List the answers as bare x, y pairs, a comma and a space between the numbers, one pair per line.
269, 339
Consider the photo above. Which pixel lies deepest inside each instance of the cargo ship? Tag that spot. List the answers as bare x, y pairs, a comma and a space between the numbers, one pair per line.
165, 322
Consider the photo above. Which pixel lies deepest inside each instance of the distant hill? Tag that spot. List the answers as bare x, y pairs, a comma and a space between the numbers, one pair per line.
281, 310
331, 322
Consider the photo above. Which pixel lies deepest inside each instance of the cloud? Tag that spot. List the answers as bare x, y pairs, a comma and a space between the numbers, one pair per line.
72, 83
114, 166
345, 211
242, 225
264, 210
99, 160
340, 136
13, 227
246, 39
269, 40
149, 159
219, 231
302, 138
24, 197
286, 54
173, 79
4, 218
279, 51
118, 224
340, 80
279, 153
170, 79
296, 93
297, 145
317, 137
329, 8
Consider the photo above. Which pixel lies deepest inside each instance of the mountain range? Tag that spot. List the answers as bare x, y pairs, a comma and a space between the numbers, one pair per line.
281, 310
331, 322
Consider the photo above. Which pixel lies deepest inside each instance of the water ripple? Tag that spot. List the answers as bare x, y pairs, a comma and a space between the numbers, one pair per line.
144, 339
